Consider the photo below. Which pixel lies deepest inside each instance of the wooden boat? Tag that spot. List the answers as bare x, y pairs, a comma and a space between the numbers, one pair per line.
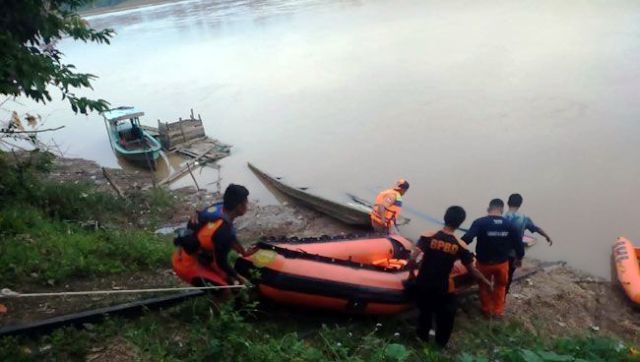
351, 213
627, 263
128, 138
363, 274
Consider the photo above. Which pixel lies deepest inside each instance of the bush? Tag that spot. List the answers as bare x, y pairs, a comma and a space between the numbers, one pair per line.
52, 252
43, 237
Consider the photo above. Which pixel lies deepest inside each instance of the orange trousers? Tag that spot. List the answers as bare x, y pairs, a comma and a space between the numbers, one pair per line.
493, 302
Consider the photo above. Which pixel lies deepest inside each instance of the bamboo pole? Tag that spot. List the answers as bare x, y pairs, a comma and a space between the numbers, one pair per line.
113, 184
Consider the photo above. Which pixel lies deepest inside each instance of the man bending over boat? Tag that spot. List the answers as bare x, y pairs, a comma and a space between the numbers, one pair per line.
522, 223
434, 295
387, 207
496, 239
205, 256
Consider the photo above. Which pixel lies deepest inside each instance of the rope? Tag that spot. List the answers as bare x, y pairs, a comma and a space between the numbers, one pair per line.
8, 293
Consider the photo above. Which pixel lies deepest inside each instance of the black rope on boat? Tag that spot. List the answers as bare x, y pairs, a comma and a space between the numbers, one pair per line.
321, 238
297, 254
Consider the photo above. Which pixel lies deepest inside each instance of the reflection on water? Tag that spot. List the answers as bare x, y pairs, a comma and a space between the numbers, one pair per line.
467, 100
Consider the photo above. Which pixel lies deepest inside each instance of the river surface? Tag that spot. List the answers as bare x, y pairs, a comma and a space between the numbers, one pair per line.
468, 100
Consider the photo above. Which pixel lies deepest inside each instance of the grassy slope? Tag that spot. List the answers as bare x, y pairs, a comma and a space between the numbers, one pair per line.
47, 228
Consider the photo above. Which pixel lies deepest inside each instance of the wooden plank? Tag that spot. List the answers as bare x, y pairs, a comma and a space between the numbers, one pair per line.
182, 123
169, 131
211, 156
186, 135
178, 174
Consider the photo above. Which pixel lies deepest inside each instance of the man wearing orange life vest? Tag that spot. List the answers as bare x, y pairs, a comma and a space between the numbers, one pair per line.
387, 207
205, 256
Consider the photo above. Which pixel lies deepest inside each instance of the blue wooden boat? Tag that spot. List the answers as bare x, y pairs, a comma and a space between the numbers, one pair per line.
128, 139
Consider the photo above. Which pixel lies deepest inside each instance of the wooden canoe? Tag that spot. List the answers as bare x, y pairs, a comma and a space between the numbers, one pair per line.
351, 213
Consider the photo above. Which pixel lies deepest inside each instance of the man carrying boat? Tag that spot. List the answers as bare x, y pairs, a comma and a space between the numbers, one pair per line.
496, 238
205, 257
387, 207
435, 295
522, 223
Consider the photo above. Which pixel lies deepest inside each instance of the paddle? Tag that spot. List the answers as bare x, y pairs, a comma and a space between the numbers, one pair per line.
416, 212
531, 240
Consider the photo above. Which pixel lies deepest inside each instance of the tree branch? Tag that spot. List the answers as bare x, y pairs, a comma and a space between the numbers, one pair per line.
36, 131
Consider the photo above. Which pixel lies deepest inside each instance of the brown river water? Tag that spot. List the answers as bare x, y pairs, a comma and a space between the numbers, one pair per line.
468, 100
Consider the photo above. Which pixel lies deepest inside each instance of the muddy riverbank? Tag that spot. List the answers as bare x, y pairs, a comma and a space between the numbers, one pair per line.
555, 300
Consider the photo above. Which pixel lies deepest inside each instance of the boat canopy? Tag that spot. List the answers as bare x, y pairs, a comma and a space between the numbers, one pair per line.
122, 113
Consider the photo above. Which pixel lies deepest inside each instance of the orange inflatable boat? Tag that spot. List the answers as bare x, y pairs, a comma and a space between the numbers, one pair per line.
627, 261
361, 274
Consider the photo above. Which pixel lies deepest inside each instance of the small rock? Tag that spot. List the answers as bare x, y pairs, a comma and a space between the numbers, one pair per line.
562, 324
88, 326
34, 275
45, 348
529, 281
51, 282
595, 328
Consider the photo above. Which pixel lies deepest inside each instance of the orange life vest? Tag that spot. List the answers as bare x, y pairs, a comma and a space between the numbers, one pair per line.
391, 212
205, 234
190, 267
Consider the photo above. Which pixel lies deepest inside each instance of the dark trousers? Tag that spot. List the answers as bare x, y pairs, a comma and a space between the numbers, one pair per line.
438, 305
512, 269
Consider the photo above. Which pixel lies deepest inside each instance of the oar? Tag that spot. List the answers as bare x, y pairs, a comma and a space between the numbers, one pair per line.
416, 212
426, 216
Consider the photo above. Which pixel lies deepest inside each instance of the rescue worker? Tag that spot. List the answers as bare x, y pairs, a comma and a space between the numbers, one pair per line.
434, 294
215, 237
496, 238
387, 207
522, 223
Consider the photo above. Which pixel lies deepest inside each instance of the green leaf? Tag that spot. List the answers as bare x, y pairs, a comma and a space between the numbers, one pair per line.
530, 356
554, 357
396, 352
465, 357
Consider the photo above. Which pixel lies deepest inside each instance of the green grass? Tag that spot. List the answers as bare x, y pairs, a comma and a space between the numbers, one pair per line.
46, 232
51, 252
198, 331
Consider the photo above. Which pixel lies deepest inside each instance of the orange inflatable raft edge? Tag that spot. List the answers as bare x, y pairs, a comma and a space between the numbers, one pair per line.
627, 262
363, 275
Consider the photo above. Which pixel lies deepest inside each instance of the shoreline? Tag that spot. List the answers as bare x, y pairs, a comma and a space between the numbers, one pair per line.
124, 6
